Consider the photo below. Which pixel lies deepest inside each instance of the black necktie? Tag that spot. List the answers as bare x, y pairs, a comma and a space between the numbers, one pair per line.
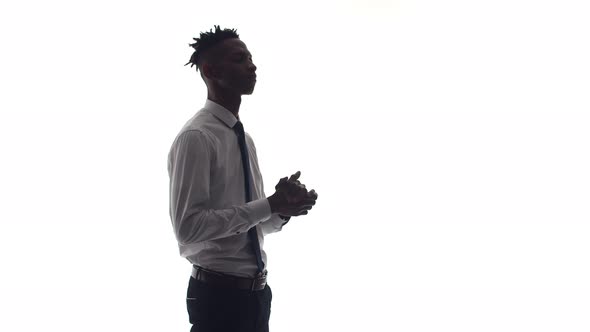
239, 129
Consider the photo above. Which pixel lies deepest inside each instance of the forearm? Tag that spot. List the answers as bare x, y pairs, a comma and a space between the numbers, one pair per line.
274, 224
197, 225
273, 202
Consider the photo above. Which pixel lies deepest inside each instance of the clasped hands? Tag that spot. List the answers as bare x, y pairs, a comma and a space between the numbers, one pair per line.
292, 198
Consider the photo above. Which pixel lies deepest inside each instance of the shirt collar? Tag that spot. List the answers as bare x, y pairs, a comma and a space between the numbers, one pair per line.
221, 113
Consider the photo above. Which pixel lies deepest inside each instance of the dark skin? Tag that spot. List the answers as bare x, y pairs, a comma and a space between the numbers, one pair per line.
229, 73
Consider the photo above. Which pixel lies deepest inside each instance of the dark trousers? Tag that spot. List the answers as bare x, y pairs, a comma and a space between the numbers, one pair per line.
215, 309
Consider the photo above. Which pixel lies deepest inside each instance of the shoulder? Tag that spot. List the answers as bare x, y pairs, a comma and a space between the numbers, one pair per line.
190, 136
196, 131
250, 141
189, 140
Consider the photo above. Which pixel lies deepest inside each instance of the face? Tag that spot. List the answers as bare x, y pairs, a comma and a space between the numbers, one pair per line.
234, 72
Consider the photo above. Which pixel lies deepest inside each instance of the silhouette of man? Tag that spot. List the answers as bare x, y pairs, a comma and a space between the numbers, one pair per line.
218, 208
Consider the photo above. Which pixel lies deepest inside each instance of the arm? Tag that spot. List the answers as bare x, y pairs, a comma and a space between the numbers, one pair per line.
276, 221
273, 225
189, 169
285, 219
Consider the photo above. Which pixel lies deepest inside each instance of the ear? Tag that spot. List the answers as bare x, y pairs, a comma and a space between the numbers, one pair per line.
210, 71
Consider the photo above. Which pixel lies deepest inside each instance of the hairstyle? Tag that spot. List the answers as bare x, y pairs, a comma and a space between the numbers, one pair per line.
206, 41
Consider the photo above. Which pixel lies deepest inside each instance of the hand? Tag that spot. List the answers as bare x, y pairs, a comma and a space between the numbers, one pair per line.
291, 197
294, 189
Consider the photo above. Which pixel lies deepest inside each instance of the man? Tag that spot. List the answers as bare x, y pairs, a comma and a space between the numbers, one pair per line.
218, 208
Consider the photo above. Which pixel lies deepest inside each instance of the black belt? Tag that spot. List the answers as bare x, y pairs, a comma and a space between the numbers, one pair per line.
227, 281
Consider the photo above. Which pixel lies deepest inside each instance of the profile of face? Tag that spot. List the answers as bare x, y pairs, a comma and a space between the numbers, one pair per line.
231, 68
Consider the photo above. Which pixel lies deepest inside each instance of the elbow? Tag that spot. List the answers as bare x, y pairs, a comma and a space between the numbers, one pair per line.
188, 231
187, 235
182, 239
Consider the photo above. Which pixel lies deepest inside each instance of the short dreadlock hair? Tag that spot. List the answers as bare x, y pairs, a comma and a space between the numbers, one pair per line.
206, 41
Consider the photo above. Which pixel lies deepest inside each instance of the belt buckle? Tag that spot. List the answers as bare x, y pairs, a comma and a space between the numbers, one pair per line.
259, 275
253, 284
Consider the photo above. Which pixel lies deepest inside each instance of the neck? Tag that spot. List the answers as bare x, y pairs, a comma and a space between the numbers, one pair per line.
230, 101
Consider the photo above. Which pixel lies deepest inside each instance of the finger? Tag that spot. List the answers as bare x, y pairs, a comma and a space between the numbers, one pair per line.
308, 204
281, 182
300, 190
298, 199
293, 182
306, 209
295, 176
291, 188
297, 183
294, 186
302, 212
311, 196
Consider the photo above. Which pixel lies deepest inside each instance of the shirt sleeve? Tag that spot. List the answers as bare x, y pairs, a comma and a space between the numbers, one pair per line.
189, 169
274, 224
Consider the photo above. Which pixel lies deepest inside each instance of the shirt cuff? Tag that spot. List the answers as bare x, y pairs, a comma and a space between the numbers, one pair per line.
285, 218
260, 210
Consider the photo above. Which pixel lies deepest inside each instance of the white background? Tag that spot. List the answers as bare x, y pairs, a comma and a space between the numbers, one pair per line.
448, 142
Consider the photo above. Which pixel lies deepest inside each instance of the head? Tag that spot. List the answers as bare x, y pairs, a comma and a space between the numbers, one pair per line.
224, 62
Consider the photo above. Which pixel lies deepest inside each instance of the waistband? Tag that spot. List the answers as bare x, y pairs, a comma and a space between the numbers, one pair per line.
228, 281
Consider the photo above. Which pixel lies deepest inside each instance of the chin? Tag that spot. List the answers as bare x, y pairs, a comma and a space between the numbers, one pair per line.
250, 88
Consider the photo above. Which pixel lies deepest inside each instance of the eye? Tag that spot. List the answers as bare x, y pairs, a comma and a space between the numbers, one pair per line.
242, 58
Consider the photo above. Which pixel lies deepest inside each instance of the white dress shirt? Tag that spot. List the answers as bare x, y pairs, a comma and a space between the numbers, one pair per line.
208, 208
